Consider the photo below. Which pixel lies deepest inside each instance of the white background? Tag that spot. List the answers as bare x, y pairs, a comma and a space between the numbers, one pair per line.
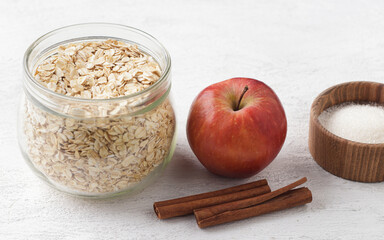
299, 48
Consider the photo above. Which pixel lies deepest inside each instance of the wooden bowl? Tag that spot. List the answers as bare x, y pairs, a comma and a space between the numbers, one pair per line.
344, 158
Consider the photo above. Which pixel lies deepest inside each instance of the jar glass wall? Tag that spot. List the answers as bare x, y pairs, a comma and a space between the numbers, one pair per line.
96, 147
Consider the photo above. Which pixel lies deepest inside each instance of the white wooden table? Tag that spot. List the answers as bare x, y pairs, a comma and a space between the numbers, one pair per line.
299, 48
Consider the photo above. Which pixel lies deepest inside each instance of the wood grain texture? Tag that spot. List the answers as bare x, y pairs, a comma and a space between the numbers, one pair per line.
341, 157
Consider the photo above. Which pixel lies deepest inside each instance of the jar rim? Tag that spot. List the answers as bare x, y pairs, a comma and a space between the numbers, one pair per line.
31, 79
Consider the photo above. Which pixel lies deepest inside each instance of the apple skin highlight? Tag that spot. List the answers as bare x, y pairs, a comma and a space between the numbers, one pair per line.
236, 143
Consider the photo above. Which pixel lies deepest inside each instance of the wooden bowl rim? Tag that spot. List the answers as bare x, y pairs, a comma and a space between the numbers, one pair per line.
329, 134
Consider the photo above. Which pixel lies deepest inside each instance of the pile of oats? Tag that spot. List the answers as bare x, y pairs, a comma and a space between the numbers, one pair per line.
98, 154
98, 70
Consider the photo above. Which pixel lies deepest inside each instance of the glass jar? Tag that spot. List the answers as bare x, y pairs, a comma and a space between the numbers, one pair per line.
96, 147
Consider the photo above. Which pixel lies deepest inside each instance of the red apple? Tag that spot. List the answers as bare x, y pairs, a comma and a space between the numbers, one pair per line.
236, 127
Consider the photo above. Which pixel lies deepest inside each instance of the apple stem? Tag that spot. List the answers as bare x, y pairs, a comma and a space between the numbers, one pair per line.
241, 97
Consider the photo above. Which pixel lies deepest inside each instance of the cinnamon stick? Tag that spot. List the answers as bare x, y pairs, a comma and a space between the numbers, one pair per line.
238, 188
207, 212
184, 206
287, 200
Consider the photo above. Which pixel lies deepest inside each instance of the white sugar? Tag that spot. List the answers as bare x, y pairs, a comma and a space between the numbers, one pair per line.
357, 122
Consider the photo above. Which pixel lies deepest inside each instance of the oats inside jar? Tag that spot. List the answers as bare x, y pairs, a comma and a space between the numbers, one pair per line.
103, 154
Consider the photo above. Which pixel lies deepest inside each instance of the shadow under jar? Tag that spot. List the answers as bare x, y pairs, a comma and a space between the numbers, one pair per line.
96, 147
